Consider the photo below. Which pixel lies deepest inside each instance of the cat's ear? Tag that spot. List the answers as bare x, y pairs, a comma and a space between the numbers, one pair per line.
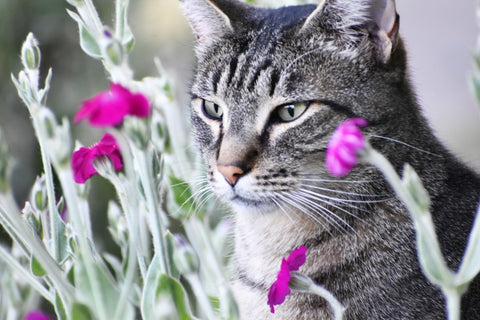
352, 18
383, 27
211, 19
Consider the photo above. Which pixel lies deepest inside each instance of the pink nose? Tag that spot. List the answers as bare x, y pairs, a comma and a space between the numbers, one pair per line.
231, 173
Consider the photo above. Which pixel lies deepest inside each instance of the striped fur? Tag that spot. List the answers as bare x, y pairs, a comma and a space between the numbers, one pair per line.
338, 60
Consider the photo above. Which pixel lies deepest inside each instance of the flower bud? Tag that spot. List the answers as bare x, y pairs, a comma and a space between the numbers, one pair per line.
57, 137
413, 184
31, 53
39, 194
160, 134
113, 49
33, 218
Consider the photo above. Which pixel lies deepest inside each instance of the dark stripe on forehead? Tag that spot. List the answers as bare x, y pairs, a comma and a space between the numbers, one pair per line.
274, 79
232, 70
264, 66
216, 79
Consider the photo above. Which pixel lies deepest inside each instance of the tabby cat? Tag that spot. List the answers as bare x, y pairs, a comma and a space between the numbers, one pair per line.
270, 87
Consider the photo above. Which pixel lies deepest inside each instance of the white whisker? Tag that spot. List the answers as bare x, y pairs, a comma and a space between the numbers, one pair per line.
353, 194
405, 144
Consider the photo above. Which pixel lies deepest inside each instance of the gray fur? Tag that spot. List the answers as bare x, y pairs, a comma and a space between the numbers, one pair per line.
341, 58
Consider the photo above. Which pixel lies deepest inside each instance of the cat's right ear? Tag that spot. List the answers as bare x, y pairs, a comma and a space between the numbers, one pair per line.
211, 19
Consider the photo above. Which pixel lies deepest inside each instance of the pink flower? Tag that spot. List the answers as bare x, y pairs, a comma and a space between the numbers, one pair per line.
83, 158
36, 315
342, 149
109, 108
279, 290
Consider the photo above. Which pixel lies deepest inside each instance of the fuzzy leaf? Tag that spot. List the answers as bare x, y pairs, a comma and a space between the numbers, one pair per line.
36, 267
87, 41
163, 296
429, 254
81, 312
104, 282
470, 266
60, 308
169, 287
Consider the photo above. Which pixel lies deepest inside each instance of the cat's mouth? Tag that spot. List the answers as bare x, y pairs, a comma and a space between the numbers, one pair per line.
248, 202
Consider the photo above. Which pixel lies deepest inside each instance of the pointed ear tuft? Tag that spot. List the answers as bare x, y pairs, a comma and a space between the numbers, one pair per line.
211, 19
384, 27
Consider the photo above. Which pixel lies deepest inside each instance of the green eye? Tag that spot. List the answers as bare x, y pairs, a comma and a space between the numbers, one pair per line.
212, 110
290, 112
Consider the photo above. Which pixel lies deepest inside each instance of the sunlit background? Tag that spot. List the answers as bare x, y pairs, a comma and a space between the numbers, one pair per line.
440, 36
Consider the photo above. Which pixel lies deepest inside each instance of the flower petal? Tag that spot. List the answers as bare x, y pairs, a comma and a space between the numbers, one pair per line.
109, 108
341, 155
297, 258
83, 158
279, 289
36, 315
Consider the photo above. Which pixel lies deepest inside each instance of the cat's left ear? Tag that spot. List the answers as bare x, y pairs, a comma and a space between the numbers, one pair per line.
383, 27
211, 19
378, 18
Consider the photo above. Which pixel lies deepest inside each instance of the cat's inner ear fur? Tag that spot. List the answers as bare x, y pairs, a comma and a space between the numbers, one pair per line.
211, 19
352, 19
384, 27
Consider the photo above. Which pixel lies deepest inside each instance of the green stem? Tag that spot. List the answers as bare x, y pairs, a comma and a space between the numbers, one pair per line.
338, 308
47, 167
154, 213
453, 299
34, 245
134, 245
69, 192
200, 240
25, 275
201, 296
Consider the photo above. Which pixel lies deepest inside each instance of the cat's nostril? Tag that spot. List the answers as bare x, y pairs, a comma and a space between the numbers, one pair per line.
231, 173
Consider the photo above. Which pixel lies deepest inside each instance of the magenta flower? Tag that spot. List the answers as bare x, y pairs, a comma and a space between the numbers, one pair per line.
109, 108
83, 158
36, 315
342, 149
279, 290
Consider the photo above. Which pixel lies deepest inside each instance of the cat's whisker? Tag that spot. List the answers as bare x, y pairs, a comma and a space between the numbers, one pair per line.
293, 202
405, 144
317, 208
336, 180
380, 198
314, 196
311, 198
197, 194
279, 205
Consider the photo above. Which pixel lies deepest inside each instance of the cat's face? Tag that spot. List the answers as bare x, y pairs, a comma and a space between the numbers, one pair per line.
268, 92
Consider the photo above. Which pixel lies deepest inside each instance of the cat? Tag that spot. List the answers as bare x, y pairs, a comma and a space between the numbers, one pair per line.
270, 87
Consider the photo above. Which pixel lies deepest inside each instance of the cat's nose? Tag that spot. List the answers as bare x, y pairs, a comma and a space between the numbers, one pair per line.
231, 173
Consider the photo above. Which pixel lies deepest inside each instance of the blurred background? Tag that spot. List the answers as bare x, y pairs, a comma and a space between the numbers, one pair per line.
440, 35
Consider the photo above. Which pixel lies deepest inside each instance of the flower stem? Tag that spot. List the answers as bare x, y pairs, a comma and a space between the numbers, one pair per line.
153, 208
338, 308
453, 298
25, 275
35, 246
47, 167
200, 240
69, 192
201, 296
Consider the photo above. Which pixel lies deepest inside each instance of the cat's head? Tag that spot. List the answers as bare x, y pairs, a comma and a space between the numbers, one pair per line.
271, 85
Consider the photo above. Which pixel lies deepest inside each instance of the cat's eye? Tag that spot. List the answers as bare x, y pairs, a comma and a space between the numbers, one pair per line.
212, 110
290, 112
